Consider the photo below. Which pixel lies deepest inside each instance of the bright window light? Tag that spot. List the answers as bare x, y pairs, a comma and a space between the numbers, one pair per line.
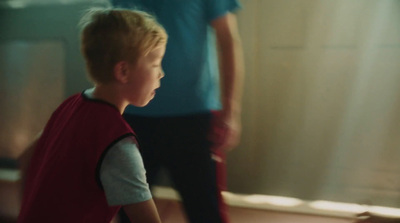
337, 206
273, 200
395, 212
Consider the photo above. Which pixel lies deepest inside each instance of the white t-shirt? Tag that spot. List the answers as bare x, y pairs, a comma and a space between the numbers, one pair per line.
122, 174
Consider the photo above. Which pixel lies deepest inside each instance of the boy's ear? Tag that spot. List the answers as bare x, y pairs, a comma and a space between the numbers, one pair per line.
121, 73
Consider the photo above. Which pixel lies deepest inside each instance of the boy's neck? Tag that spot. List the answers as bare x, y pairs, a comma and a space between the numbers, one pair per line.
108, 94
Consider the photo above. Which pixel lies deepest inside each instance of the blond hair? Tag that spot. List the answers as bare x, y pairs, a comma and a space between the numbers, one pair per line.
109, 36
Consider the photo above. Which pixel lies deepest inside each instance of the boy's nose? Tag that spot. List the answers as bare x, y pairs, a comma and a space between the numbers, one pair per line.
162, 74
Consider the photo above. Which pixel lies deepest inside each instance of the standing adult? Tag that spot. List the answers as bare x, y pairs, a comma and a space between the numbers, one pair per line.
196, 113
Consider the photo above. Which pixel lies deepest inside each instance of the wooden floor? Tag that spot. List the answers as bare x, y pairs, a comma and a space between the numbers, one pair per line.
171, 212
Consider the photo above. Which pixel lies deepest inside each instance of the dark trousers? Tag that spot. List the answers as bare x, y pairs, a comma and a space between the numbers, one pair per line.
181, 146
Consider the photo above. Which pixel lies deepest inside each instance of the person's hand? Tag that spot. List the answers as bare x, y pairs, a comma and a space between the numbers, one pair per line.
367, 217
225, 131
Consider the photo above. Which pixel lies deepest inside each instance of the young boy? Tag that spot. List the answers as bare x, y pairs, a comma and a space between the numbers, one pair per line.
81, 166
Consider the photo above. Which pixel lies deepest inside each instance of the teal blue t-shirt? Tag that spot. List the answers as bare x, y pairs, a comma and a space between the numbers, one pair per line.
191, 82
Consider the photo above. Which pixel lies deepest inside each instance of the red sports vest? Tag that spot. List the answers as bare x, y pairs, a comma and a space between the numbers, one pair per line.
62, 183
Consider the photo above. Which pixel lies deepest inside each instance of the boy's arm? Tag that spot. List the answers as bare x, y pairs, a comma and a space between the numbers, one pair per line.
231, 75
123, 178
25, 159
145, 212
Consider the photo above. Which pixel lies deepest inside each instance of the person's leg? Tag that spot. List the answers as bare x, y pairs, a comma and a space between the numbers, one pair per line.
150, 139
193, 169
220, 162
146, 131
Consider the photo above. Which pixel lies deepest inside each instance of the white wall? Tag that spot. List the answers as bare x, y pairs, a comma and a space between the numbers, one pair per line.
322, 100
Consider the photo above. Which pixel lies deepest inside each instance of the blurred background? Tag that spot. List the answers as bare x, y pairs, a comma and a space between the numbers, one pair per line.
321, 104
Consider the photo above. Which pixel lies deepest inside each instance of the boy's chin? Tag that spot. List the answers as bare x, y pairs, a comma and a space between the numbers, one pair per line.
142, 104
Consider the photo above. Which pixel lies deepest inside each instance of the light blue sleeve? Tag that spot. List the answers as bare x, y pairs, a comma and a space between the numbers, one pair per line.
122, 174
219, 8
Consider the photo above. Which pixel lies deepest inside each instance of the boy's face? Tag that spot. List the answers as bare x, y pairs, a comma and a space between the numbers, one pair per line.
145, 77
